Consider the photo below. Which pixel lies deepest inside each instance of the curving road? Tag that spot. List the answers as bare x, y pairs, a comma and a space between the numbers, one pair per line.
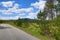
8, 32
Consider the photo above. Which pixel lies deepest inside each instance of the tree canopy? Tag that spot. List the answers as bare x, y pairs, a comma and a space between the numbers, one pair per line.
50, 8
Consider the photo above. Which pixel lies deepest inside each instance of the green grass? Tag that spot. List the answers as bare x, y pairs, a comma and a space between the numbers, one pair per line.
34, 30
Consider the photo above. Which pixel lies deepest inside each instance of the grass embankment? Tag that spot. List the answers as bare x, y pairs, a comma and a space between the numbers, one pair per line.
31, 28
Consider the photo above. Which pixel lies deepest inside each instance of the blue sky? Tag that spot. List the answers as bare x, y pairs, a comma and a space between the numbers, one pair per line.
14, 9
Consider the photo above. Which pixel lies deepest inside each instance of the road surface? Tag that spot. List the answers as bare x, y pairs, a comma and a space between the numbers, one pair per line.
8, 32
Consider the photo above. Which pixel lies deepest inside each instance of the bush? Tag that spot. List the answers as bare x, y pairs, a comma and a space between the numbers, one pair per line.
19, 22
1, 21
44, 27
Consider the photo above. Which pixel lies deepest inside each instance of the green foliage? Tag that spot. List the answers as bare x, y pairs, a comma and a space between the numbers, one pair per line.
51, 27
19, 22
26, 22
57, 30
45, 27
1, 21
41, 15
58, 0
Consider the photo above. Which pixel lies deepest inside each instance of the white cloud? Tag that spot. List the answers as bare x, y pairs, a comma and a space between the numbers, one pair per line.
28, 10
40, 5
14, 9
7, 4
21, 11
16, 5
9, 18
32, 15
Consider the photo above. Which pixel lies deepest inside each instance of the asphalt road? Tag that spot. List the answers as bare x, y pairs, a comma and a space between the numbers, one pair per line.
8, 32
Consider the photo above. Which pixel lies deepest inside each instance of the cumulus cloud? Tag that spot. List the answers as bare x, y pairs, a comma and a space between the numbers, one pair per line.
32, 15
16, 5
7, 4
15, 10
13, 7
28, 10
40, 5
